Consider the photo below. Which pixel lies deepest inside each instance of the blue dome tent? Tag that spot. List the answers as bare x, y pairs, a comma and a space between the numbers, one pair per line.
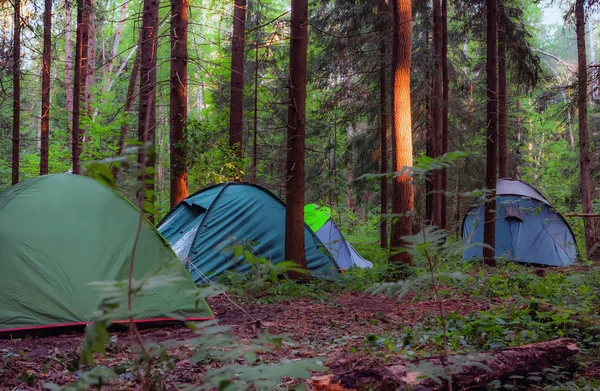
528, 229
202, 229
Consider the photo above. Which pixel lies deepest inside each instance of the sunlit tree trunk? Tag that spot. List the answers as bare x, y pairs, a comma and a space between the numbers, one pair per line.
45, 115
489, 230
502, 105
178, 100
584, 149
69, 68
436, 102
147, 105
445, 108
383, 128
236, 116
296, 131
16, 73
402, 188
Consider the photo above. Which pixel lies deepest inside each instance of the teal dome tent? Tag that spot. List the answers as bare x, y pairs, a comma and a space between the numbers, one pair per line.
203, 228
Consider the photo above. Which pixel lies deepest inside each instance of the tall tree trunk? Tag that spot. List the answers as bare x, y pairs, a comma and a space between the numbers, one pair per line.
584, 150
236, 114
255, 135
489, 225
437, 101
147, 106
383, 127
402, 189
91, 57
429, 151
45, 117
129, 104
296, 131
69, 68
16, 123
178, 100
502, 105
77, 90
445, 108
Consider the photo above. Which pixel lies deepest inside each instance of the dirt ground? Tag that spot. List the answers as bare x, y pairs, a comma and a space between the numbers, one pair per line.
334, 331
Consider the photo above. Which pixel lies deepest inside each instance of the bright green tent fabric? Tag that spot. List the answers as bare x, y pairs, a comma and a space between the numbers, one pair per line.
316, 217
60, 232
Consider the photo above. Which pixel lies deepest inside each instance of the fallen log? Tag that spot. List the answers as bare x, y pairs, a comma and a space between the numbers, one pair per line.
522, 362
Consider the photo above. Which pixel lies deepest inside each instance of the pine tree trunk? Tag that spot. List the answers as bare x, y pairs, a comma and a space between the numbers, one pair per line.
584, 151
296, 131
437, 101
502, 104
178, 100
489, 225
402, 190
69, 68
45, 117
255, 135
445, 108
76, 137
16, 122
429, 151
236, 116
129, 104
91, 57
147, 105
383, 127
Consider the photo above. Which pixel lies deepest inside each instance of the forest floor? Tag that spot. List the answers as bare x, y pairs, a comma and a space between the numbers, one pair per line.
328, 330
345, 329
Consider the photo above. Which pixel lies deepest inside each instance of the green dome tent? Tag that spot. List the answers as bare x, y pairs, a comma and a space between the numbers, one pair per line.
320, 221
60, 232
203, 227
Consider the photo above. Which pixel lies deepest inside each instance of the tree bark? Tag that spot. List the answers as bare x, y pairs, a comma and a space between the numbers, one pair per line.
489, 225
584, 150
436, 102
255, 135
445, 108
45, 115
236, 113
129, 103
296, 132
90, 57
383, 128
502, 104
147, 105
402, 188
16, 122
77, 90
69, 68
178, 100
519, 362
